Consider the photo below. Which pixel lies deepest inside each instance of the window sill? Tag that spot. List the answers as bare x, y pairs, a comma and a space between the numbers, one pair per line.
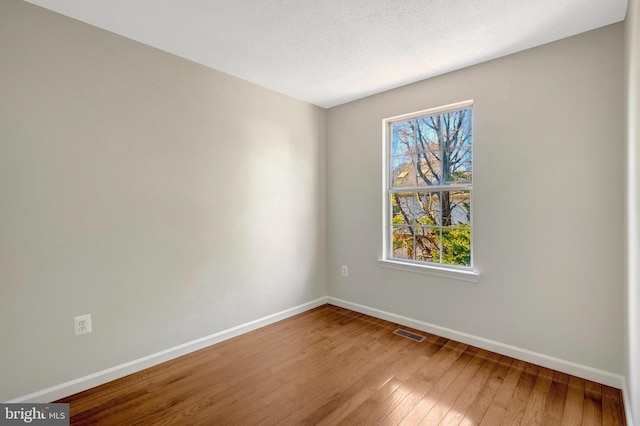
456, 274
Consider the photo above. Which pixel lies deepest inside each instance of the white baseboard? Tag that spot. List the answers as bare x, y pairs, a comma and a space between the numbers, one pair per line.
589, 373
627, 403
87, 382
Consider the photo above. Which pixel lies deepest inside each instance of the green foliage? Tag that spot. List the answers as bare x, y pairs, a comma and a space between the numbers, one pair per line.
456, 245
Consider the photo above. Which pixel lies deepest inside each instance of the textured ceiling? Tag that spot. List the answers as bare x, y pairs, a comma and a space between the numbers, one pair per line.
328, 52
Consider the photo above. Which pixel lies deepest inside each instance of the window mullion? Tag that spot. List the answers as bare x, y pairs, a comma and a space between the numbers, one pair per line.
431, 188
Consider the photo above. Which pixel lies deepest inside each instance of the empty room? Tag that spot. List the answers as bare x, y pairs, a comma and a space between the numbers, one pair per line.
286, 212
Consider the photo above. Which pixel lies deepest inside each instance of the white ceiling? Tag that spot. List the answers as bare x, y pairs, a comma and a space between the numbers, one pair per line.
328, 52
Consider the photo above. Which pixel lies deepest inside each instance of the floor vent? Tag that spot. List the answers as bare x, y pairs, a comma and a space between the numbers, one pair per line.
409, 335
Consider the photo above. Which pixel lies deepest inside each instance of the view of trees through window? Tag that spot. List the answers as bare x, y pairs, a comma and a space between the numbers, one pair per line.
430, 188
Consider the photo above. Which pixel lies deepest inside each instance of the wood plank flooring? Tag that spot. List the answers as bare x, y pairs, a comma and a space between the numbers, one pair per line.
332, 366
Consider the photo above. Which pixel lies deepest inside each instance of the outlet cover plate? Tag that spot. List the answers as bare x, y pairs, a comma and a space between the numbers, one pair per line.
82, 325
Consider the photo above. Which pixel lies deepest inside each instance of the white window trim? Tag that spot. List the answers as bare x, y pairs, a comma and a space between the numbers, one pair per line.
469, 274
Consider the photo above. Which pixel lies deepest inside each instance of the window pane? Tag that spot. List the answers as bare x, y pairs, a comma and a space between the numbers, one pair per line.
402, 240
456, 246
428, 244
402, 171
416, 208
415, 136
430, 207
428, 137
401, 209
457, 165
406, 206
398, 214
402, 139
456, 208
429, 168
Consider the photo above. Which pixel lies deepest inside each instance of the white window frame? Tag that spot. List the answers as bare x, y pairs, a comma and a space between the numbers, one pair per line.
463, 273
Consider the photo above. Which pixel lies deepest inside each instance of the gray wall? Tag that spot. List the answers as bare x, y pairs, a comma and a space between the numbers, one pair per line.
632, 341
168, 200
548, 212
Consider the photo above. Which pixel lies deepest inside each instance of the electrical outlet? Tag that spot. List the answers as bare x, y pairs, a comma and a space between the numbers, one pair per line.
345, 271
82, 325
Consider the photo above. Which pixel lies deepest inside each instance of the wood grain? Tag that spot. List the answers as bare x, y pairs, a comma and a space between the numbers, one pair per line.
332, 366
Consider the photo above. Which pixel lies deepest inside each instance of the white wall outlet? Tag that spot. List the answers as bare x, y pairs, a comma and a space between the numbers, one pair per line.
345, 271
82, 325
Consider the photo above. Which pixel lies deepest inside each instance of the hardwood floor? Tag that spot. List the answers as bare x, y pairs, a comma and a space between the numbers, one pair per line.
331, 366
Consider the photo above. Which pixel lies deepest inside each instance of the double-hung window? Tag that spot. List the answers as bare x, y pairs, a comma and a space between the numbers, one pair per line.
428, 188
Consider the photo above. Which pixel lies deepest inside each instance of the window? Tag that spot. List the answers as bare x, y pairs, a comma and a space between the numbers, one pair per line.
428, 188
